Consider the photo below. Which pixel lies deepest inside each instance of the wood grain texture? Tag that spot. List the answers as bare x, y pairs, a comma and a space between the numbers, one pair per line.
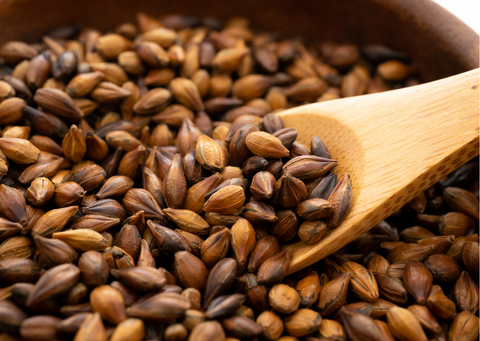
393, 144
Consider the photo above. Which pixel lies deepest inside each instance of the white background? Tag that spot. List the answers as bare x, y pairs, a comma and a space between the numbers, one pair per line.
467, 10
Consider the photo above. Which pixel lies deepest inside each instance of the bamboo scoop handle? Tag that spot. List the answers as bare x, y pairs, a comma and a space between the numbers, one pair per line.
394, 145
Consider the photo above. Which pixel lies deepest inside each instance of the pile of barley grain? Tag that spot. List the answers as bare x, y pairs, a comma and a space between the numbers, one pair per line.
149, 191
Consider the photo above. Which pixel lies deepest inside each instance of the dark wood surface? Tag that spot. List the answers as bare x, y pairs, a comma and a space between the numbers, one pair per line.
438, 43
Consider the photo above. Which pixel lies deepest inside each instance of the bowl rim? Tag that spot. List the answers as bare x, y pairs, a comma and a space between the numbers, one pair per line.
442, 24
439, 20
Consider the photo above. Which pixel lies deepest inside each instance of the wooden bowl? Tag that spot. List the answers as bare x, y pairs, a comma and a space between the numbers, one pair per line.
437, 42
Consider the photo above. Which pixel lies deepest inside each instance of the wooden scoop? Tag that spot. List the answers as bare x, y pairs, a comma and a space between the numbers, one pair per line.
393, 144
